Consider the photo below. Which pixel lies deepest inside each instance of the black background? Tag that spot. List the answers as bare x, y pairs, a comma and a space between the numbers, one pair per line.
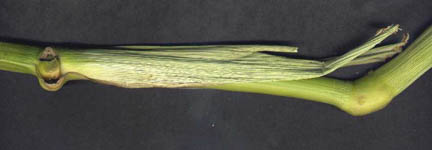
90, 116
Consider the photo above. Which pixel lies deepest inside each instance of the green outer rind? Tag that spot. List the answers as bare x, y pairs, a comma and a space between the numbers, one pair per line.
19, 58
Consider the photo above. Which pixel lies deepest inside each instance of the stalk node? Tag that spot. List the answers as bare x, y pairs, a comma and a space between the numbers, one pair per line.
48, 70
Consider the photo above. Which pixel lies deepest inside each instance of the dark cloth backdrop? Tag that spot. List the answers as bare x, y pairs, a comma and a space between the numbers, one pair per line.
88, 116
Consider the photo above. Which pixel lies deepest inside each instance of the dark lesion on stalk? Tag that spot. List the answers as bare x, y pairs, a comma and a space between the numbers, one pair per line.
48, 54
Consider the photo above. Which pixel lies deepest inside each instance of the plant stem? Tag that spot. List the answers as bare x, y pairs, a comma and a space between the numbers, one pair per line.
360, 97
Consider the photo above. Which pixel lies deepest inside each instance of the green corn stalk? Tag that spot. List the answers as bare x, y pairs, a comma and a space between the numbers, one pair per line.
227, 67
